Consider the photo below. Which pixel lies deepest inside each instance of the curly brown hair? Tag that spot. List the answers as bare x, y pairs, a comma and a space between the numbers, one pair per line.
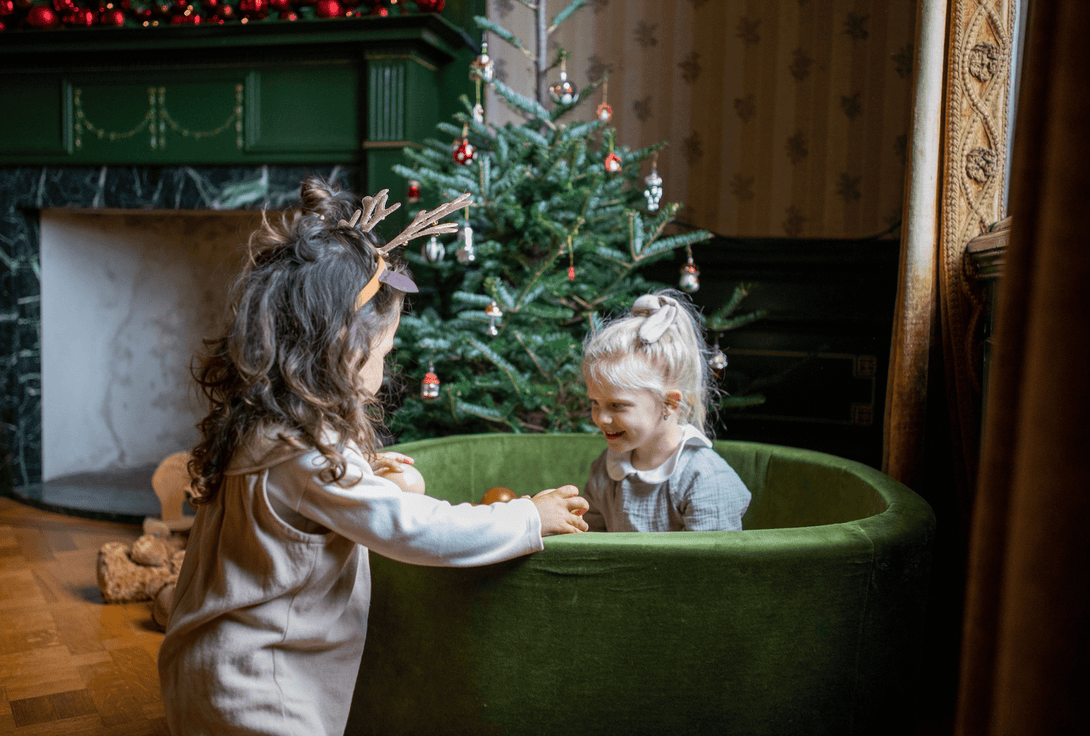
291, 356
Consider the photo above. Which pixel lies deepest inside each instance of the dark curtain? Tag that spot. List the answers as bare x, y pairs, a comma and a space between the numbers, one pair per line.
1026, 638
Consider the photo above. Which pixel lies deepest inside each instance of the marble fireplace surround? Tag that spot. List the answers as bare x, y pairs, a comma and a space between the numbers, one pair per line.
24, 193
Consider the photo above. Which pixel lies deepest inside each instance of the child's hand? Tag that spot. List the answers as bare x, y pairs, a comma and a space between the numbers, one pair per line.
390, 462
561, 510
398, 468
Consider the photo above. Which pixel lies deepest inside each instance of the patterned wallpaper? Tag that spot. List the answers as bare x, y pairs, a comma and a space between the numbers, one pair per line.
784, 117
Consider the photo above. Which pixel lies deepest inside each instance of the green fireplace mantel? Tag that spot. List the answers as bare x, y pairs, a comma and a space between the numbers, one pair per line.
350, 91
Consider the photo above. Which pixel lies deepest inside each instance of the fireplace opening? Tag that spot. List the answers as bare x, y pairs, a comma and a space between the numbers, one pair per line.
127, 299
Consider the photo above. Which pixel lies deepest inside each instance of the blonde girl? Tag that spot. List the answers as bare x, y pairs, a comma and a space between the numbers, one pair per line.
648, 381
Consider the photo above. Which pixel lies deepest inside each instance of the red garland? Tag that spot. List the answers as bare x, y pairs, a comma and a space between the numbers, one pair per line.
39, 15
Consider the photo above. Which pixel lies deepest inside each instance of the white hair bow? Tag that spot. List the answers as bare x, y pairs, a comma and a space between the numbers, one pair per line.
660, 311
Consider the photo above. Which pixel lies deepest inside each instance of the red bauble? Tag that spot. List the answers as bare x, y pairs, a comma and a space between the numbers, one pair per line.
43, 18
289, 15
329, 9
80, 17
463, 152
7, 7
381, 11
112, 18
64, 6
254, 8
431, 6
279, 5
225, 12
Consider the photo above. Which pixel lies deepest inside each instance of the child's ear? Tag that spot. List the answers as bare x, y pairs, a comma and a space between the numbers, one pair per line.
673, 399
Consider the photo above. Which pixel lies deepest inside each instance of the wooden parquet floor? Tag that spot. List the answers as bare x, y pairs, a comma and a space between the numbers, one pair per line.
70, 664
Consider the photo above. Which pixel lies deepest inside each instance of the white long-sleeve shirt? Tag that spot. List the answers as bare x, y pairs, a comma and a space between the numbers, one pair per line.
270, 610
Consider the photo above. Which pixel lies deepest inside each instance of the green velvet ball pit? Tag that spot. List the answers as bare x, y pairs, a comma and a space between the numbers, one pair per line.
807, 622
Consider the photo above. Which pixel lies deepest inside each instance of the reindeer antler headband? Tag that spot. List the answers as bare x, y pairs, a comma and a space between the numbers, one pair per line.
373, 210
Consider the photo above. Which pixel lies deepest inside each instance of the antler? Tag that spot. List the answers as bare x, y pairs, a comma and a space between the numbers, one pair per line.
374, 210
427, 223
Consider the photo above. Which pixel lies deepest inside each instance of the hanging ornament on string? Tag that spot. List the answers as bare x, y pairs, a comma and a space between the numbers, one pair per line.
718, 359
429, 387
478, 108
604, 111
413, 194
690, 274
564, 92
466, 253
433, 250
493, 312
653, 192
483, 68
571, 260
463, 151
613, 162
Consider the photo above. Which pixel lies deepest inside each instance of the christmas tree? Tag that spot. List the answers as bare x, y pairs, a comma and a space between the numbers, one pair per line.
559, 230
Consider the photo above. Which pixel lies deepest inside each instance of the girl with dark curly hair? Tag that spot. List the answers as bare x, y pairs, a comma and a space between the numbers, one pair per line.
270, 610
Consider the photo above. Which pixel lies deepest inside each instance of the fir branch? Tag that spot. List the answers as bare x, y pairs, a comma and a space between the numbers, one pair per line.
579, 131
635, 235
564, 14
503, 33
741, 291
499, 291
484, 412
520, 103
735, 402
673, 242
517, 381
741, 320
471, 298
486, 180
533, 356
546, 312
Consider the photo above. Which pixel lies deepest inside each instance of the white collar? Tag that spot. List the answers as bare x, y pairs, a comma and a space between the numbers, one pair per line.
619, 464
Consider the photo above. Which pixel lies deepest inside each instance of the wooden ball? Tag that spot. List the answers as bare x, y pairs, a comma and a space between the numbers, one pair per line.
499, 494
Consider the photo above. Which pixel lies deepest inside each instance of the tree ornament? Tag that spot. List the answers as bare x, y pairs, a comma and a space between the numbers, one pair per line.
493, 312
463, 151
7, 7
571, 261
413, 195
80, 17
564, 92
429, 387
483, 67
43, 17
690, 275
465, 252
604, 111
112, 17
613, 163
718, 359
430, 6
653, 192
433, 250
478, 114
323, 9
